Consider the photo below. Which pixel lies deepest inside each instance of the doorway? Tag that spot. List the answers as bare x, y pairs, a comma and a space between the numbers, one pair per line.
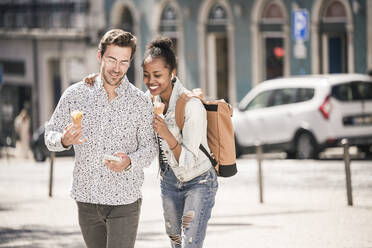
337, 54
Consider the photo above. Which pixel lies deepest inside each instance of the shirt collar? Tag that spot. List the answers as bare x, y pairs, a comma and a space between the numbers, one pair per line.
120, 90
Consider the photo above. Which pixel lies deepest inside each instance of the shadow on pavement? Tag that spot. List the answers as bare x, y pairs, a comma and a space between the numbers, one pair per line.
369, 158
239, 216
39, 237
4, 209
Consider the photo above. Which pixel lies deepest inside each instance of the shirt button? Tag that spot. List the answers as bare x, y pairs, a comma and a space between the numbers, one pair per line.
166, 152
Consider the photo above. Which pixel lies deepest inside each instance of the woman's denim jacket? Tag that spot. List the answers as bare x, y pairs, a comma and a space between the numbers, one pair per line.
192, 161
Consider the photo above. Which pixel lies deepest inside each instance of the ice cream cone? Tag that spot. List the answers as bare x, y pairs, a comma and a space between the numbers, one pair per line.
159, 108
77, 117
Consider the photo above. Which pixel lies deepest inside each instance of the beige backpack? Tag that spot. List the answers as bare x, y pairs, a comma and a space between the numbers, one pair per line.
220, 132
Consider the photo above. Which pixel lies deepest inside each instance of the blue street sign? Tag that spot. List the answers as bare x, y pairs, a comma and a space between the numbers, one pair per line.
300, 25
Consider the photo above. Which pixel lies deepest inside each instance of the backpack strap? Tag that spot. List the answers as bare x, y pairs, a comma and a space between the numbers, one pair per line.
180, 108
213, 161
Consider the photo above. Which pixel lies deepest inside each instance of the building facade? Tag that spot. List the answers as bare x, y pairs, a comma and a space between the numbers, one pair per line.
228, 46
223, 46
44, 47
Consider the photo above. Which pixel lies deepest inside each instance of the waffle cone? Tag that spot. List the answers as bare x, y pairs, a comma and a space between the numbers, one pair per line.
159, 108
77, 117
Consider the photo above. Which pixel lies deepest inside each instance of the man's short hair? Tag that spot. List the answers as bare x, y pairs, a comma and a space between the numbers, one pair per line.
118, 37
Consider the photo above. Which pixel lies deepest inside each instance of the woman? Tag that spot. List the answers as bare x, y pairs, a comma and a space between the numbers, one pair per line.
188, 179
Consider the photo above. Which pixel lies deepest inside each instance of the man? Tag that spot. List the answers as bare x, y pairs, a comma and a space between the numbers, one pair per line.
116, 121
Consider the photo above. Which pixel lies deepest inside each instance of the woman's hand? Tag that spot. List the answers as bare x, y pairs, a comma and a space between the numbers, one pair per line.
160, 127
90, 79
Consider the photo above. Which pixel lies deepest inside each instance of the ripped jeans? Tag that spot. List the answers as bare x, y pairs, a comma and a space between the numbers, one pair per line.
187, 207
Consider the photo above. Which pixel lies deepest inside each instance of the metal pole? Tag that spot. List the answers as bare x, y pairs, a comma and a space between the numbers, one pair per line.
35, 87
349, 192
51, 172
259, 162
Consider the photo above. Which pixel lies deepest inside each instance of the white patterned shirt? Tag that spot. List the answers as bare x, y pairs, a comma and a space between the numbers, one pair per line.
122, 125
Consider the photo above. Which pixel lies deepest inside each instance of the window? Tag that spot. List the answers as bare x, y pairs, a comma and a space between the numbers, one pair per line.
353, 91
126, 21
13, 67
168, 23
41, 13
283, 96
304, 94
364, 90
217, 19
217, 15
273, 13
260, 101
335, 12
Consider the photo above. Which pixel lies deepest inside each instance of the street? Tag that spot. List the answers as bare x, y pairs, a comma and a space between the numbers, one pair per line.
304, 206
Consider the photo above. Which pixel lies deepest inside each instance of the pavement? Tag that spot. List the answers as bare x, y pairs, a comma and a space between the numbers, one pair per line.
304, 206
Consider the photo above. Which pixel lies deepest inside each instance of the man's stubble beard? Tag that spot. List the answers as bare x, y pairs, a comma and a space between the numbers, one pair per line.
113, 83
110, 82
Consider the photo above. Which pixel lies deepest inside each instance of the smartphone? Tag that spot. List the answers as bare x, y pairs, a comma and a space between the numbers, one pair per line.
111, 158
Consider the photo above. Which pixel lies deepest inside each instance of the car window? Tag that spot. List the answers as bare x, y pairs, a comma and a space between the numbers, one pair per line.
353, 91
260, 101
364, 90
304, 94
342, 92
283, 96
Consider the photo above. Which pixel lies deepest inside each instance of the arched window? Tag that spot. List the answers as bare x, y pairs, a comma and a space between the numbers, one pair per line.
217, 52
273, 39
335, 12
273, 13
334, 47
169, 26
168, 23
217, 15
126, 22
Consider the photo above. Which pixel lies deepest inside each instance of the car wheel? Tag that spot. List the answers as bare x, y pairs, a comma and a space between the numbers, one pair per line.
39, 156
306, 147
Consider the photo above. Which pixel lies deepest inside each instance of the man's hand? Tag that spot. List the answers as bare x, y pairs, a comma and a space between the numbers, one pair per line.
119, 166
90, 79
72, 135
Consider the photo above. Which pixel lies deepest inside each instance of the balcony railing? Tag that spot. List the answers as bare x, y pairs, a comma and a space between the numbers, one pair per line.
44, 15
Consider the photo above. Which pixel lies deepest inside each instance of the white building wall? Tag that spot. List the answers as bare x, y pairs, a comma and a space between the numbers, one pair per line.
18, 50
76, 61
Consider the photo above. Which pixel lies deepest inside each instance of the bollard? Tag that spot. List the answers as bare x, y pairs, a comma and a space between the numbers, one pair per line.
51, 172
259, 162
349, 192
